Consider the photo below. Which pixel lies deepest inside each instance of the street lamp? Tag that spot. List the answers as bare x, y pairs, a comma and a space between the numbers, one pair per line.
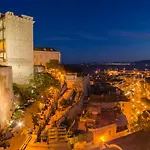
20, 124
102, 139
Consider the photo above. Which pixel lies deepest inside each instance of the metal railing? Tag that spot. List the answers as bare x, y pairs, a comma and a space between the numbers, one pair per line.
24, 145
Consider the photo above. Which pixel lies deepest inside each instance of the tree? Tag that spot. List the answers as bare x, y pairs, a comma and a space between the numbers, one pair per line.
54, 64
41, 81
16, 89
24, 93
17, 114
35, 120
3, 143
56, 69
141, 123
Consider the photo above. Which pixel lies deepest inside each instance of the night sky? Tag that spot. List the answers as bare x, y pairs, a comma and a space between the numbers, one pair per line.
89, 30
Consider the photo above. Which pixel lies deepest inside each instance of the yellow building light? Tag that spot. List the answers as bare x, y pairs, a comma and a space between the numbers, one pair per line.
138, 112
102, 139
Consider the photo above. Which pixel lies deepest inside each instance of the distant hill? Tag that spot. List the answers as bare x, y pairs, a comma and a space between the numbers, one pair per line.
73, 68
143, 61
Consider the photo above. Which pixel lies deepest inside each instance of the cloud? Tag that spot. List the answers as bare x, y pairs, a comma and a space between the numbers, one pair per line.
61, 39
76, 36
135, 35
92, 37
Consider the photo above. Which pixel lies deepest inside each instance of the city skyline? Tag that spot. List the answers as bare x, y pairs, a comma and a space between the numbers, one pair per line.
88, 31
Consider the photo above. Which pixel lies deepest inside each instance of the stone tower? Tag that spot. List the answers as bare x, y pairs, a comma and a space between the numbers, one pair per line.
16, 45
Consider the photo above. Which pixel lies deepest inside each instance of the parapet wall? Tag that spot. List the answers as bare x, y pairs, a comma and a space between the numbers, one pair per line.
22, 17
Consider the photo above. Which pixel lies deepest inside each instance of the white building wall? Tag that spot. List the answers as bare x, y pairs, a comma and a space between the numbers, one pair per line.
19, 46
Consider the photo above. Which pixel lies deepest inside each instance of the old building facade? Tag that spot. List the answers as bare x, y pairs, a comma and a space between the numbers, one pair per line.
43, 55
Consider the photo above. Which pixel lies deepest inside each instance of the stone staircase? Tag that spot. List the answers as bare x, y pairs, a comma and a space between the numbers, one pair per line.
58, 134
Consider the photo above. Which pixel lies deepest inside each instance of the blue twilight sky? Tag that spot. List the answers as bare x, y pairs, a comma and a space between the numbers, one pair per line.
89, 30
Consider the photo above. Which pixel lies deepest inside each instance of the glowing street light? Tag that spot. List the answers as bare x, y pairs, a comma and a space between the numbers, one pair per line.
138, 112
20, 124
102, 139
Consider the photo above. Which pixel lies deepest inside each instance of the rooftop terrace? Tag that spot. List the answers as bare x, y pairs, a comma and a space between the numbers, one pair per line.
49, 49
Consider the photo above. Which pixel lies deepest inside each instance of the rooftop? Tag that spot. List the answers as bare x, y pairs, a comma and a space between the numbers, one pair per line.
44, 49
136, 141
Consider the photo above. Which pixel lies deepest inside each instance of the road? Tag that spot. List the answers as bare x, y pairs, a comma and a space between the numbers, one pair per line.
20, 137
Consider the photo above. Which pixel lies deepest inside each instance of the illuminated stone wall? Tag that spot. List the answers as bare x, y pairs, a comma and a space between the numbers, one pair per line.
19, 46
6, 95
42, 57
104, 133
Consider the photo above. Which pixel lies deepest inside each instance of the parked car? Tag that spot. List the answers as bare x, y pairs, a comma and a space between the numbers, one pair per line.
8, 135
26, 105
